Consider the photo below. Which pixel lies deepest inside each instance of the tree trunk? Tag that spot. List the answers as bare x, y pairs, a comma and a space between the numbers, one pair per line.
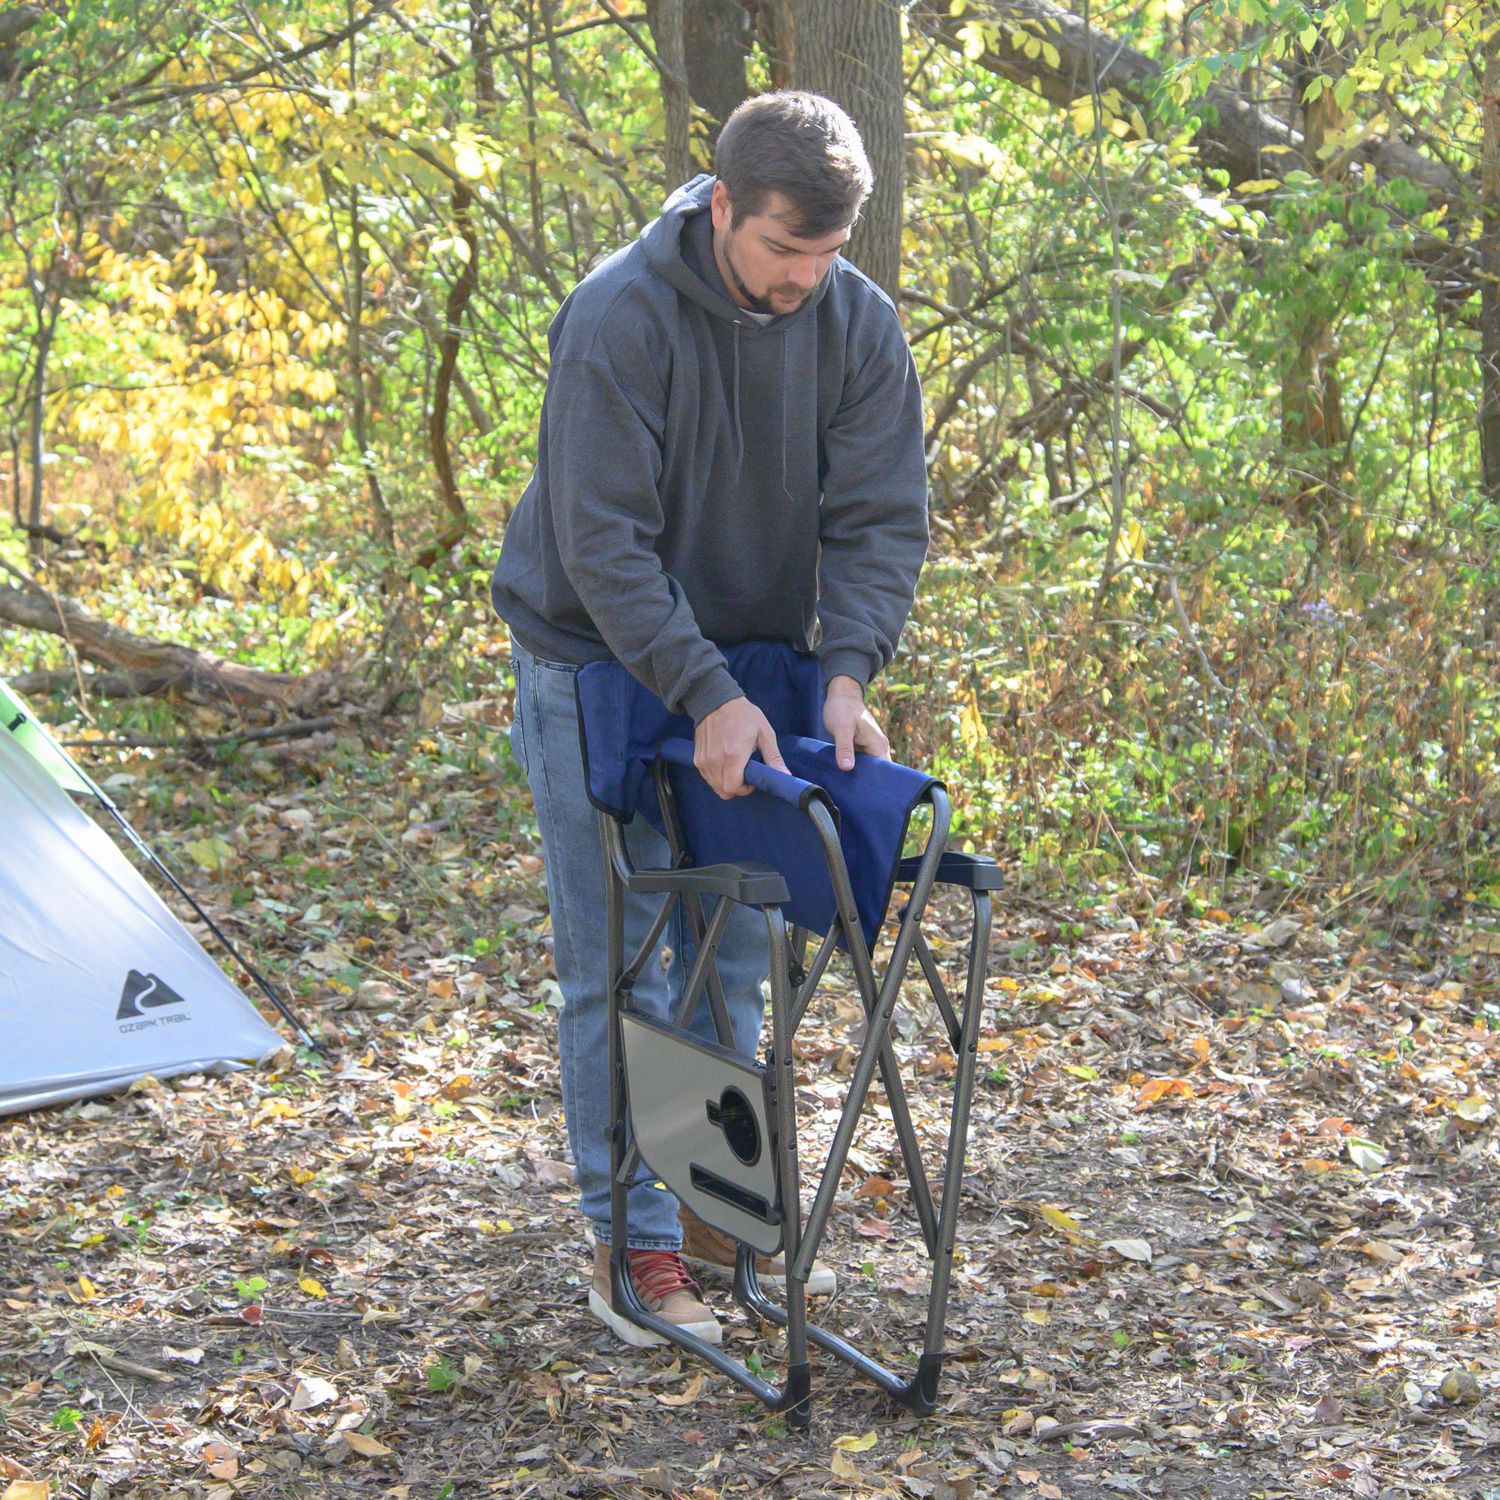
47, 304
850, 51
13, 25
666, 25
716, 37
385, 524
715, 45
1312, 404
449, 342
1489, 253
777, 23
451, 336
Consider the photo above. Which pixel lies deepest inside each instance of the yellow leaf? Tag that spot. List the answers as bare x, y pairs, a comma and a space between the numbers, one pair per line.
87, 1288
313, 1287
1037, 1315
467, 161
1258, 185
973, 150
366, 1447
300, 1175
849, 1443
28, 1489
689, 1392
971, 723
1064, 1224
1476, 1109
1010, 986
844, 1467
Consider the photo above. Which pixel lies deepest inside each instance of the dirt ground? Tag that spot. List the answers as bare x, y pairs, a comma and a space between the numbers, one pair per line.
1229, 1222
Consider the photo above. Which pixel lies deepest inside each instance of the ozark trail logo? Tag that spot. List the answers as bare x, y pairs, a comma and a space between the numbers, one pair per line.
145, 992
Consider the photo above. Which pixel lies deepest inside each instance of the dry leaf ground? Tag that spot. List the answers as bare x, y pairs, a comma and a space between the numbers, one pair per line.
1229, 1230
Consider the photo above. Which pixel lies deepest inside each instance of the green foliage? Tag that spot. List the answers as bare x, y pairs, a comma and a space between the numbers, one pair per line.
1240, 621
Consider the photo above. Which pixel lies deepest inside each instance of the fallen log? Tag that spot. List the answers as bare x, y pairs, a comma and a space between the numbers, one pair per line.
165, 666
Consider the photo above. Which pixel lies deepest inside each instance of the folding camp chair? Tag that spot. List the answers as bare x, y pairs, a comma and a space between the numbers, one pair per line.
819, 850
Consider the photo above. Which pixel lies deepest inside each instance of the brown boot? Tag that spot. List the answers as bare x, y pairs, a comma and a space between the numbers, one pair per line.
664, 1286
703, 1245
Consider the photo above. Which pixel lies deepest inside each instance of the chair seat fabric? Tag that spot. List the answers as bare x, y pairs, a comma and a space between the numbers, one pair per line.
626, 728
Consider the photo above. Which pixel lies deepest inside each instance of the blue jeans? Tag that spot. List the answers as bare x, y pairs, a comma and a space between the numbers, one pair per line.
545, 738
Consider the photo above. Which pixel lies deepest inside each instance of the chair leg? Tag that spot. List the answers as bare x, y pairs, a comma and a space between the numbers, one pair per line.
784, 1084
966, 1050
622, 1295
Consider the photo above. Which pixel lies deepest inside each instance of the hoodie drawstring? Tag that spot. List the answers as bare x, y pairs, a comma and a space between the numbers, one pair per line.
784, 437
739, 430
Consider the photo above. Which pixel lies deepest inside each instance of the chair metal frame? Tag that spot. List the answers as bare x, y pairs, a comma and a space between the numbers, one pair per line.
793, 984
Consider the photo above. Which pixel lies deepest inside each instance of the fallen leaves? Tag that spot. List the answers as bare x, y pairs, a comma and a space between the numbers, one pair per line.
1063, 1223
312, 1391
686, 1396
1365, 1154
1214, 1263
366, 1447
221, 1460
1154, 1090
1275, 934
1137, 1250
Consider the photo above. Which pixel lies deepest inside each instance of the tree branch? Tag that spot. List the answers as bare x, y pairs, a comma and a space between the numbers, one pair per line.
1237, 136
124, 97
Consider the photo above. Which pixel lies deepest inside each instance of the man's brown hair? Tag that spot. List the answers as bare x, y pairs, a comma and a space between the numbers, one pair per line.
802, 146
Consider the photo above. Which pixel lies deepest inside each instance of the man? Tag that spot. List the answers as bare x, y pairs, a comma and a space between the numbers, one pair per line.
730, 449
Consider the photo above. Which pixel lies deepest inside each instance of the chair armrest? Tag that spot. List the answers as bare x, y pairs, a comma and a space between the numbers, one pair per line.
975, 872
758, 775
750, 885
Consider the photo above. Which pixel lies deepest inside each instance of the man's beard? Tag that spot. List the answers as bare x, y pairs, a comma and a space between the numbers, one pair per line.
758, 304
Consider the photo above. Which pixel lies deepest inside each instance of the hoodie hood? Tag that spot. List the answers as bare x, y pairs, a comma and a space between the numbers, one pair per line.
662, 242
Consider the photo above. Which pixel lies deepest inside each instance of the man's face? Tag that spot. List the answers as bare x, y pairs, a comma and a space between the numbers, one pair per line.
768, 268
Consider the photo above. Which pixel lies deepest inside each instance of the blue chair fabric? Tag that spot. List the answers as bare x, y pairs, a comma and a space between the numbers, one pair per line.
626, 728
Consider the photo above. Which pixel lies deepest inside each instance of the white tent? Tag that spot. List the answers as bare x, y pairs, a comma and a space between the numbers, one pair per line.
99, 983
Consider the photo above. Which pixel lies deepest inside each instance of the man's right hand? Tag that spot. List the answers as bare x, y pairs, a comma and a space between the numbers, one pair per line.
725, 739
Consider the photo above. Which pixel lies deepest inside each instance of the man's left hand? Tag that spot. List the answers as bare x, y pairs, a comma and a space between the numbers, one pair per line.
850, 724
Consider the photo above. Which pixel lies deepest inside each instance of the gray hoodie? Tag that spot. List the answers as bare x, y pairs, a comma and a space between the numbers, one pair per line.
705, 476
